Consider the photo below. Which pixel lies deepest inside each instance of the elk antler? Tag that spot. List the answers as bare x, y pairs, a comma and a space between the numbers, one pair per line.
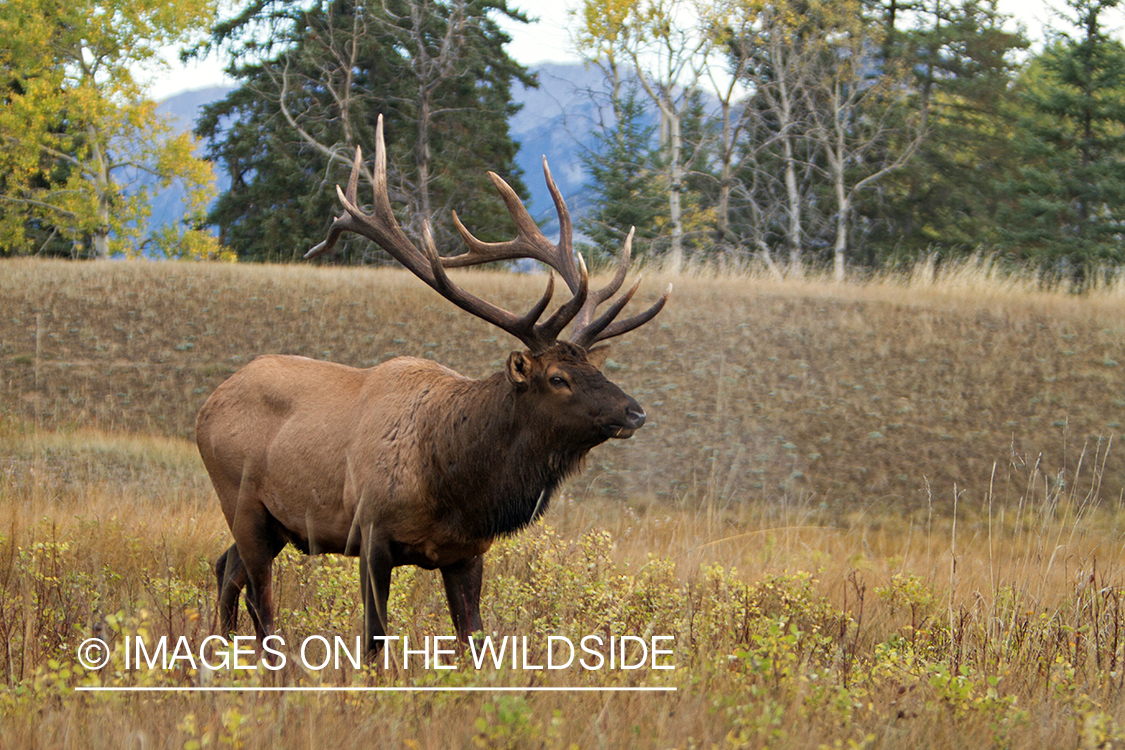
588, 332
530, 243
381, 227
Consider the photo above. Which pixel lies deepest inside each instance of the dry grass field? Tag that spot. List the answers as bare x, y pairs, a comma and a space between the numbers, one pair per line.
870, 515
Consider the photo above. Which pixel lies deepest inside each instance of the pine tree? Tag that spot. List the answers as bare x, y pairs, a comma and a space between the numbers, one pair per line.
626, 178
947, 201
1068, 200
438, 73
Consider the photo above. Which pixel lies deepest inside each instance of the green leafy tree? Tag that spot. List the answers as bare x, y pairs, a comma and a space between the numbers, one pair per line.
1068, 201
436, 70
81, 148
667, 43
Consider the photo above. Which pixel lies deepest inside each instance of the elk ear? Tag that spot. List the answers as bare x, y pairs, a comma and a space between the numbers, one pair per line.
519, 369
598, 355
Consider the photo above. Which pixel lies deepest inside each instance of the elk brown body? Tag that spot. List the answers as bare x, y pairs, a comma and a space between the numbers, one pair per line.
408, 462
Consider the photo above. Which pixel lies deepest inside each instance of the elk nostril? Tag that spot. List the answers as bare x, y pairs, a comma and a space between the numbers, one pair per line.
636, 417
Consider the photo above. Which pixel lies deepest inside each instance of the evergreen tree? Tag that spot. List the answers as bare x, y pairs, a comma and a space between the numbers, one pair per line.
700, 191
626, 180
1068, 201
438, 73
964, 63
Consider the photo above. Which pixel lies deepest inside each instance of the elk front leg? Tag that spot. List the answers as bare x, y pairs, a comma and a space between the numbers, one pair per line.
462, 590
375, 566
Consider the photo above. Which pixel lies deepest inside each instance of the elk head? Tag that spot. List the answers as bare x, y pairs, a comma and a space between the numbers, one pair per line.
566, 384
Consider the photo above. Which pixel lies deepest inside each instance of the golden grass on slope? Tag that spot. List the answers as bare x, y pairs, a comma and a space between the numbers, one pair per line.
881, 395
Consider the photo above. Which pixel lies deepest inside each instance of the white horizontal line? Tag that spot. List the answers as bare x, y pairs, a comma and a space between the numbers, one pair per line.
345, 689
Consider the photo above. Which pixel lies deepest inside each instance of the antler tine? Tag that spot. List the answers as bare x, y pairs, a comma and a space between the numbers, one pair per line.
597, 297
553, 325
344, 222
591, 336
592, 329
588, 331
353, 176
381, 227
529, 241
566, 228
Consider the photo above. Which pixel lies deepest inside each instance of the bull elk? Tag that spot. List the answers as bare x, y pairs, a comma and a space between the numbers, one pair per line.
408, 462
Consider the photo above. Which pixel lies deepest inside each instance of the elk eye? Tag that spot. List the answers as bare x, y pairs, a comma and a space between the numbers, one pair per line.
558, 381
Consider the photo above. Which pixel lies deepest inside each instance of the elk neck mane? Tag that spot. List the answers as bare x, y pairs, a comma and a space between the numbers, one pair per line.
494, 468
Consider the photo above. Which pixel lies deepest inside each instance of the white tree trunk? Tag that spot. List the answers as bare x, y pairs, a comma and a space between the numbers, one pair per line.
726, 152
840, 250
103, 186
843, 205
675, 212
794, 198
793, 193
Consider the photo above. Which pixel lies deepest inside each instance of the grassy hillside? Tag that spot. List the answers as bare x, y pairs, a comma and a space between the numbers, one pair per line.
886, 395
878, 515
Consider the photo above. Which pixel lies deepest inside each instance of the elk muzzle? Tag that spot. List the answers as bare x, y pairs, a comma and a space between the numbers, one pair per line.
633, 420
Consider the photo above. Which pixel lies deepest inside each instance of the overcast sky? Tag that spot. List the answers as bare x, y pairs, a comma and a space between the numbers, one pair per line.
546, 40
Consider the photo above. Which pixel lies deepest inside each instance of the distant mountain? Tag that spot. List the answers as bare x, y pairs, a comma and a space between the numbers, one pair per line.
184, 108
168, 205
555, 121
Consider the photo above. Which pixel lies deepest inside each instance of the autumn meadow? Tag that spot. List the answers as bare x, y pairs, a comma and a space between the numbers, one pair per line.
880, 513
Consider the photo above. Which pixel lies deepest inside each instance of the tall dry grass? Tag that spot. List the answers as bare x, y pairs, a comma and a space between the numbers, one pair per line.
793, 627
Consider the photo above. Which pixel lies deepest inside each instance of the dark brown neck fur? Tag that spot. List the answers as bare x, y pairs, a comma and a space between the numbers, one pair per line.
491, 463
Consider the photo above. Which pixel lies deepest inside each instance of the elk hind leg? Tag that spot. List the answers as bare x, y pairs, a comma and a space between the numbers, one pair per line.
375, 565
230, 574
462, 590
258, 540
